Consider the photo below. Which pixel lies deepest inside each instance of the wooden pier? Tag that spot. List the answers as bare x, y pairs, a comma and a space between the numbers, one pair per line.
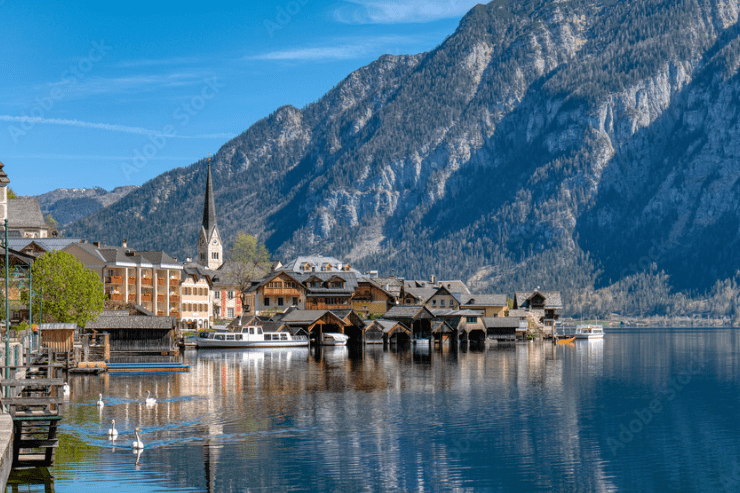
33, 397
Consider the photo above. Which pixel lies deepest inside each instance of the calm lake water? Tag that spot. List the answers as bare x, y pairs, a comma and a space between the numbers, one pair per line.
641, 410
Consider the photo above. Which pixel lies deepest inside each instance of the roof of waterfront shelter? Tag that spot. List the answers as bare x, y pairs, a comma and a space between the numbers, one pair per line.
382, 325
305, 316
143, 322
25, 213
441, 326
484, 300
553, 299
501, 322
401, 312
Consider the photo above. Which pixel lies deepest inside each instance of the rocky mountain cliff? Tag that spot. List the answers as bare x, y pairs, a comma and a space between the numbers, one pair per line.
565, 144
67, 205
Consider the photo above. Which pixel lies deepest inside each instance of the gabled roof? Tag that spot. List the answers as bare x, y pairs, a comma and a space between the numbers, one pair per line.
400, 312
440, 326
45, 244
316, 263
391, 285
299, 317
484, 300
25, 213
553, 300
144, 322
113, 255
501, 322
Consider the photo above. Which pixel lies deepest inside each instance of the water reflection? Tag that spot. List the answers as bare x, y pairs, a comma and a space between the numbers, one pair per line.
526, 416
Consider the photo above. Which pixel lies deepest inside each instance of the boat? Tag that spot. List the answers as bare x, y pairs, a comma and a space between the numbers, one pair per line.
249, 336
334, 339
588, 331
566, 341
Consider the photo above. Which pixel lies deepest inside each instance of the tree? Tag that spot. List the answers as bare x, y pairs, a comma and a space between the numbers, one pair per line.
52, 225
11, 194
250, 260
71, 292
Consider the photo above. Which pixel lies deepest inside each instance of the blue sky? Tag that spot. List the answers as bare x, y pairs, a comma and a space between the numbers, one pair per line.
115, 93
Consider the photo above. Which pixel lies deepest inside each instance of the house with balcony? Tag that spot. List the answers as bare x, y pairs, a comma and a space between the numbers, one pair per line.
491, 305
277, 292
542, 305
371, 297
130, 277
196, 300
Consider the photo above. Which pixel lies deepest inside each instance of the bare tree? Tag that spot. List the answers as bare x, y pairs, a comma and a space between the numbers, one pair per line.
250, 260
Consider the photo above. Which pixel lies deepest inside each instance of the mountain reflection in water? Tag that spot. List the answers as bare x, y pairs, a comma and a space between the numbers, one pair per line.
520, 417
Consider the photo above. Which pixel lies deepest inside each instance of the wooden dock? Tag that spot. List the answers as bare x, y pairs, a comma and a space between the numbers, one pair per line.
33, 397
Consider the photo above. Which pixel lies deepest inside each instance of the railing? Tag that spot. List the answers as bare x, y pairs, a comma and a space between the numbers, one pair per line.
132, 297
175, 313
116, 279
146, 281
146, 297
160, 313
160, 282
174, 282
175, 297
116, 297
160, 297
132, 280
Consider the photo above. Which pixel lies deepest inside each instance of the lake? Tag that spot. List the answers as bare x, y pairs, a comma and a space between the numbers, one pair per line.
640, 410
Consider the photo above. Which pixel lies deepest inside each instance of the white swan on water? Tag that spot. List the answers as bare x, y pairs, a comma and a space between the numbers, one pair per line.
138, 444
100, 400
150, 401
113, 433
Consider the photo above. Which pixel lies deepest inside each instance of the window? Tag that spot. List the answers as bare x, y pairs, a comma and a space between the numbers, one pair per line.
280, 302
336, 284
295, 301
441, 302
217, 295
267, 301
472, 320
230, 295
434, 302
231, 312
202, 256
214, 255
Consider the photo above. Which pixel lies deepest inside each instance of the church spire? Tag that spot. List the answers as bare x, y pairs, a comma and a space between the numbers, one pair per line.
210, 249
209, 206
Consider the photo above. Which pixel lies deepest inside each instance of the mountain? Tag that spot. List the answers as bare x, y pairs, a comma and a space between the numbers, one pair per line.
587, 146
67, 205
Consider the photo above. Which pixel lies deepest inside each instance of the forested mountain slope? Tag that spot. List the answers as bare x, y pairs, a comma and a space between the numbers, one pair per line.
572, 145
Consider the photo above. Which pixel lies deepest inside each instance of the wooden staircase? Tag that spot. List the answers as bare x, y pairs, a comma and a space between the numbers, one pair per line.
35, 403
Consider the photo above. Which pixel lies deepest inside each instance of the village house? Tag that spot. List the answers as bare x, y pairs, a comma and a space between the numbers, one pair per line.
277, 292
371, 297
542, 305
491, 305
195, 291
38, 247
147, 278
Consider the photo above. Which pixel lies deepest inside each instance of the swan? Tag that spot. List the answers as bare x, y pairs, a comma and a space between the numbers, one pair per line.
100, 400
150, 401
65, 389
113, 433
138, 444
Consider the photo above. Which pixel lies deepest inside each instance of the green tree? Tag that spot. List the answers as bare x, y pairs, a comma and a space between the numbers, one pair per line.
249, 260
11, 194
52, 224
72, 293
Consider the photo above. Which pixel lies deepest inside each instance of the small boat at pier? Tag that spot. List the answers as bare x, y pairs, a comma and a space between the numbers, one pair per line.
334, 339
588, 331
249, 336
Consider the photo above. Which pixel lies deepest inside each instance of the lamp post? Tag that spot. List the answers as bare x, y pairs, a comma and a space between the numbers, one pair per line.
7, 309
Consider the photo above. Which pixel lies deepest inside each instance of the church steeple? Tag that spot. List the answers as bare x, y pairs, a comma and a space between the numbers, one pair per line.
209, 206
210, 249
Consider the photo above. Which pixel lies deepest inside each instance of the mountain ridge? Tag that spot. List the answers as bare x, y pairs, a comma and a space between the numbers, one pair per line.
529, 148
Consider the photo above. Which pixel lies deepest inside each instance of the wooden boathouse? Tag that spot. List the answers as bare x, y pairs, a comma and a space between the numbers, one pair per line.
314, 322
137, 334
417, 318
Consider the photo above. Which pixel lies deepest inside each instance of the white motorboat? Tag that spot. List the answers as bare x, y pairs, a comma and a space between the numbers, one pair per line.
588, 331
334, 339
249, 336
